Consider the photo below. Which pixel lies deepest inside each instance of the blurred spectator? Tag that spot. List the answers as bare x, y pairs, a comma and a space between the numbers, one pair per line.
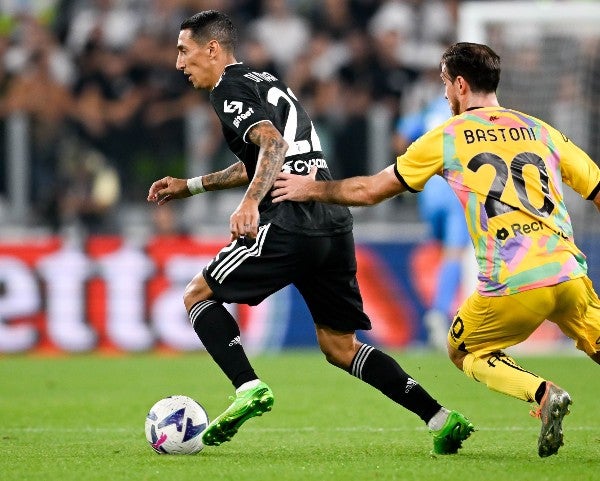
160, 126
359, 87
360, 66
89, 190
109, 101
351, 140
283, 33
423, 28
411, 34
256, 55
108, 23
161, 17
391, 77
424, 95
38, 88
5, 78
319, 62
334, 17
324, 103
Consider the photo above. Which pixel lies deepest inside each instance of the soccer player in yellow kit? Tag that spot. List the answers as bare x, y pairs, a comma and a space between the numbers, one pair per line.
507, 169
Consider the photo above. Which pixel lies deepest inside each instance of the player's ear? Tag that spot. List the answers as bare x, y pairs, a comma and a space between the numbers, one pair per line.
213, 47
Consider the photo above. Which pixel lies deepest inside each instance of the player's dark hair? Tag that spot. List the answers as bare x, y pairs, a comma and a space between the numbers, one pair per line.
211, 24
478, 64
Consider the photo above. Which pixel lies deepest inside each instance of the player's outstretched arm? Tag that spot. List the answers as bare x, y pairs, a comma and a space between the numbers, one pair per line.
358, 191
169, 188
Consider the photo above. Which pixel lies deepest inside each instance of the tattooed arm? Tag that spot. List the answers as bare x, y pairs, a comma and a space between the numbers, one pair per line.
233, 176
169, 188
245, 219
270, 158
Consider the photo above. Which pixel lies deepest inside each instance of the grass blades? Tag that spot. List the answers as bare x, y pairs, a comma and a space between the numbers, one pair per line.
82, 418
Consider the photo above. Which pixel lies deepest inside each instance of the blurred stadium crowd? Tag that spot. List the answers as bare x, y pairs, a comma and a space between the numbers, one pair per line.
108, 113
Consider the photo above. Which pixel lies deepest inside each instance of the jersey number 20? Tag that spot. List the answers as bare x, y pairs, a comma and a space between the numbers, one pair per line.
493, 205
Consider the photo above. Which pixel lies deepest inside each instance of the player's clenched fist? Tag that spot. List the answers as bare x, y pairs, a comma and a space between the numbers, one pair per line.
168, 188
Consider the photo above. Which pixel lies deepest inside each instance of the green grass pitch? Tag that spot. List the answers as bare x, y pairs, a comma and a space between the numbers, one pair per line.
82, 418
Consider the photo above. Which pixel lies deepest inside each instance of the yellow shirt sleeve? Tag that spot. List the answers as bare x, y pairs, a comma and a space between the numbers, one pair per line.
422, 160
577, 168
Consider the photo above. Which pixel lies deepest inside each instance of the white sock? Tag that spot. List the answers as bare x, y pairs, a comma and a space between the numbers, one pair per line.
248, 385
437, 421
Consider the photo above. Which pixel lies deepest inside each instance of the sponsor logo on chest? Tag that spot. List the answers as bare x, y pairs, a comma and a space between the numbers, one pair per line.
235, 106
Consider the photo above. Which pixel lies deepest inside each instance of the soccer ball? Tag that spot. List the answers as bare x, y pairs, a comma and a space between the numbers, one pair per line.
174, 425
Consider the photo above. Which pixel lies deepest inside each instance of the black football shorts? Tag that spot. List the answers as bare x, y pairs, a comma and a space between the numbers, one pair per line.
323, 269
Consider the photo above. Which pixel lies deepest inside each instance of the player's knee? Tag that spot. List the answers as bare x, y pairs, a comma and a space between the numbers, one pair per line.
457, 357
336, 356
197, 290
331, 356
338, 347
190, 293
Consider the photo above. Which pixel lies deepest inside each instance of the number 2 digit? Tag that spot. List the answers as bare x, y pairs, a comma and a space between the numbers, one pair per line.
291, 124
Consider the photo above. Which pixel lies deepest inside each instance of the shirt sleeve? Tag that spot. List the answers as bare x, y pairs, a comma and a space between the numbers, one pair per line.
422, 160
578, 170
238, 105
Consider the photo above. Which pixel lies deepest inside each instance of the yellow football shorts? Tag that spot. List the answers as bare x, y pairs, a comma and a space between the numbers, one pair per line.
486, 324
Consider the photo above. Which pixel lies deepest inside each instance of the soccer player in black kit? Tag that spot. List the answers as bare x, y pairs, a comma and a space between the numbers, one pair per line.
309, 245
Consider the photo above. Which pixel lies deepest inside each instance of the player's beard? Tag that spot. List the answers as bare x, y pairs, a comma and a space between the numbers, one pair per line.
454, 106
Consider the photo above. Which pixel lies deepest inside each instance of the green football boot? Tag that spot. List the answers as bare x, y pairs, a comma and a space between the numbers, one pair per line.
245, 405
448, 439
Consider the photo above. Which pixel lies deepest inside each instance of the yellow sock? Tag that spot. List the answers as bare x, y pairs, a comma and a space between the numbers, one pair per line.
501, 373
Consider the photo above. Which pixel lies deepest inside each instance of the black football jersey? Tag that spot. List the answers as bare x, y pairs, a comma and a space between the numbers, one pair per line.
244, 97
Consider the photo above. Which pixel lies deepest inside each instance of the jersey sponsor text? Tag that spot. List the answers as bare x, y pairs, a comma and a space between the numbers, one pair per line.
243, 116
303, 166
